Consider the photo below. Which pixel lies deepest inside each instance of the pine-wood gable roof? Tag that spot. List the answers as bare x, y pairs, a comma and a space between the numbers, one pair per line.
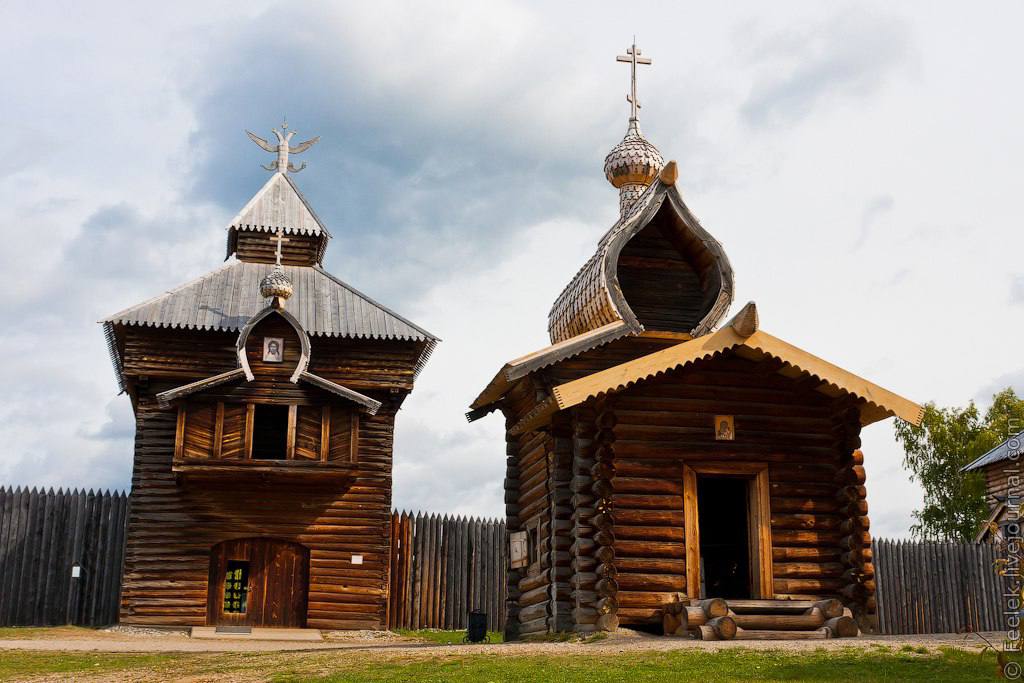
743, 335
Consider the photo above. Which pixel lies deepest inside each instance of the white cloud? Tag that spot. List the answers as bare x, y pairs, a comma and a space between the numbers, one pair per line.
460, 172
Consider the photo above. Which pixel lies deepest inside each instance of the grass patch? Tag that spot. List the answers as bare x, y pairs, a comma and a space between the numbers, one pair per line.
16, 665
726, 665
734, 664
430, 635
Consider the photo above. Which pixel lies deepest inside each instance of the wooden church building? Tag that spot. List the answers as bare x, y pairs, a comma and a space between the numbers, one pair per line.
265, 394
667, 468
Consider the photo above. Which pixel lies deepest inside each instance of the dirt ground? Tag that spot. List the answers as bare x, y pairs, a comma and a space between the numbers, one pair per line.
387, 645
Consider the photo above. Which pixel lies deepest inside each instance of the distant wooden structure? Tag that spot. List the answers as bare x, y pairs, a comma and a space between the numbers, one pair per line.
265, 395
665, 470
1001, 467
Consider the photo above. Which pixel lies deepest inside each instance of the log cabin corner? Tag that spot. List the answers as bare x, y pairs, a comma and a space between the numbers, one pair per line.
265, 396
669, 472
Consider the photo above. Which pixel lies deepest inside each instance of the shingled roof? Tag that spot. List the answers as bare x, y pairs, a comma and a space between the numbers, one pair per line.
278, 204
1012, 447
227, 297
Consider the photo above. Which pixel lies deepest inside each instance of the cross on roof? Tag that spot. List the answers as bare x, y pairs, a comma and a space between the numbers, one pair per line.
632, 57
279, 237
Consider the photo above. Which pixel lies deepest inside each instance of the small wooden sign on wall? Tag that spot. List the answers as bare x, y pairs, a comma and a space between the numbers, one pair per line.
725, 428
518, 552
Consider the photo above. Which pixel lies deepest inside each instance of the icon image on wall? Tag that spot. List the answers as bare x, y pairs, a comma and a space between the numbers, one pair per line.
724, 428
273, 349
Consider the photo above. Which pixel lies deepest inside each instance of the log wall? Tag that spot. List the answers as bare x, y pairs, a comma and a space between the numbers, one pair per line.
624, 522
176, 520
803, 437
173, 525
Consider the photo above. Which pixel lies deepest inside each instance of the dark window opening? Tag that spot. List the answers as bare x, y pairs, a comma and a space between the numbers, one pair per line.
724, 537
236, 587
533, 544
270, 432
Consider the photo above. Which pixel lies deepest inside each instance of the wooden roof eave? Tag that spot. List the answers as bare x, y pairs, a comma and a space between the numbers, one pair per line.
741, 331
368, 404
165, 398
516, 369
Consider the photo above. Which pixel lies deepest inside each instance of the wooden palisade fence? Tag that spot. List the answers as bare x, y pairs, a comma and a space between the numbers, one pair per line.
442, 568
935, 587
44, 537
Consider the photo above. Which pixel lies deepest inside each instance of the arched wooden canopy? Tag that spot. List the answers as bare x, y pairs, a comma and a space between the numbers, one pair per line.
656, 269
243, 337
244, 372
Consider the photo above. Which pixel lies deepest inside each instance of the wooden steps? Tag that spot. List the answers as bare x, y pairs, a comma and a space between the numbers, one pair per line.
718, 619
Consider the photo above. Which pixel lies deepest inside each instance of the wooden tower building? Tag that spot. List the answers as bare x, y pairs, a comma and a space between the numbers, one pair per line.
265, 395
659, 460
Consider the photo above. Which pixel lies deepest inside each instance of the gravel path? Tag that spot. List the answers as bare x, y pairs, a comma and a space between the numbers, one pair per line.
391, 645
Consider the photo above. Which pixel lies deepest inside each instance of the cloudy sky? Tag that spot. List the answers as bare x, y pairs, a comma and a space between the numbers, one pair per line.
861, 163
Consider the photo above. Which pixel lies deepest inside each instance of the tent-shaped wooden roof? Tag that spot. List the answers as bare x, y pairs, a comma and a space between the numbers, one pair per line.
279, 204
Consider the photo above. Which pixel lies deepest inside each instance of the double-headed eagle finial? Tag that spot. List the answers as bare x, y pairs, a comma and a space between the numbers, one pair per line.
283, 149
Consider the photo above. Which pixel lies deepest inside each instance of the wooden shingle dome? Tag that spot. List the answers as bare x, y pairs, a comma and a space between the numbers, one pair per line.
656, 269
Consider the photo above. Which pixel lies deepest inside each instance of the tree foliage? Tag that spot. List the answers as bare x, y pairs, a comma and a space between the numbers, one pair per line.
949, 438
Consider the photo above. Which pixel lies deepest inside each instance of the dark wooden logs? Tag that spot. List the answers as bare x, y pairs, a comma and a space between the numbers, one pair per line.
717, 628
842, 627
724, 627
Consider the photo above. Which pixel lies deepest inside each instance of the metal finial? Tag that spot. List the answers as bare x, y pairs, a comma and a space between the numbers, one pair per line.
283, 149
632, 57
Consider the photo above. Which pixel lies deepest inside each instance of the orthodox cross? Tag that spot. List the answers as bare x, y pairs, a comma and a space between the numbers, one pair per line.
279, 237
283, 149
632, 57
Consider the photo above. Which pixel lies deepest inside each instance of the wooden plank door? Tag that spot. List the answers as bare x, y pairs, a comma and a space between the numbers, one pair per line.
258, 582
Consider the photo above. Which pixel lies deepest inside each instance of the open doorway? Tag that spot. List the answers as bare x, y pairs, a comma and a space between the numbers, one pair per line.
724, 536
727, 530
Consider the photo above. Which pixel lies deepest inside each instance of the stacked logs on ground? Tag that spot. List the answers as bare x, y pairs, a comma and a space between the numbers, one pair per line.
606, 587
702, 619
793, 615
718, 619
858, 577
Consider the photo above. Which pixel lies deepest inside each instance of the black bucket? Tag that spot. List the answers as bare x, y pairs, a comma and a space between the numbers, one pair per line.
477, 631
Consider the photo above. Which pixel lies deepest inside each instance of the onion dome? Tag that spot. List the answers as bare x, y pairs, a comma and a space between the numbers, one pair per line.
276, 284
634, 161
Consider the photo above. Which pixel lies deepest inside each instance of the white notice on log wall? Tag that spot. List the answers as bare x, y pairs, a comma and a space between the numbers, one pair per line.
357, 559
518, 552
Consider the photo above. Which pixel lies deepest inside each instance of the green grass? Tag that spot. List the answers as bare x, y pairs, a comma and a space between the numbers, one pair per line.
726, 665
17, 665
587, 666
436, 637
